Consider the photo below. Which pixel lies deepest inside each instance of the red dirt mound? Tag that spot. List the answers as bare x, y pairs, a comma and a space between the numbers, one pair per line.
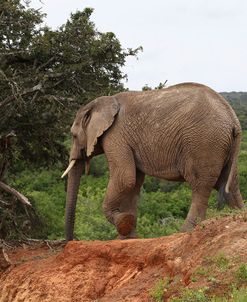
127, 270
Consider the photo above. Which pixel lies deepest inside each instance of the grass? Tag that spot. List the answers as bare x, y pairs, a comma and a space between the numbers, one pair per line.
202, 271
237, 295
241, 272
201, 295
192, 295
157, 292
222, 262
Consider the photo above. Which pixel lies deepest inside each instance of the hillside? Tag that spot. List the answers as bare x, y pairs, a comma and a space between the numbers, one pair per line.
209, 261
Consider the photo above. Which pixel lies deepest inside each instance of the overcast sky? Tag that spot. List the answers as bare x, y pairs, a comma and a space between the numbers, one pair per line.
202, 41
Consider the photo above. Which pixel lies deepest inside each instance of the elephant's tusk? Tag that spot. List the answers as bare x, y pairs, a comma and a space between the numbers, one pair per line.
70, 166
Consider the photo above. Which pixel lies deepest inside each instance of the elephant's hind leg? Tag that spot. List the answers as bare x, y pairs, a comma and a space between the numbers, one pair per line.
198, 208
202, 177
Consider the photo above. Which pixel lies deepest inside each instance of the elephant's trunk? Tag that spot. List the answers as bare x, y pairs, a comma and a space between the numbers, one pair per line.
72, 191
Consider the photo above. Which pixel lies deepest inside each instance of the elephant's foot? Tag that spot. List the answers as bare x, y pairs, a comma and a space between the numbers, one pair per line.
125, 223
190, 224
237, 205
131, 235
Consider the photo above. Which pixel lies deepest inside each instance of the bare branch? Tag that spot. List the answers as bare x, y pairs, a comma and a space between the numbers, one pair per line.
13, 85
17, 194
45, 64
55, 75
4, 202
59, 99
4, 259
9, 99
52, 244
14, 52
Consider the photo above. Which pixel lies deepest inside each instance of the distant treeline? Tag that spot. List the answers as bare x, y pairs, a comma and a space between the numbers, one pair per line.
238, 101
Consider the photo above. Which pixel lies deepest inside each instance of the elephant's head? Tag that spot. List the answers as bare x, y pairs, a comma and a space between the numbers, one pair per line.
91, 121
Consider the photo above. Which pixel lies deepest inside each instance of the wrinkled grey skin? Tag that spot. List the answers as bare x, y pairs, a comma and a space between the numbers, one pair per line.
186, 132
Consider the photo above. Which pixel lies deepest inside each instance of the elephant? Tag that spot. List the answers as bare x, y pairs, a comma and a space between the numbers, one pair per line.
186, 132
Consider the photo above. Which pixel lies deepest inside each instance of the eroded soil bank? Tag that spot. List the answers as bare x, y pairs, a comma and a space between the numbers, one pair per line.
112, 271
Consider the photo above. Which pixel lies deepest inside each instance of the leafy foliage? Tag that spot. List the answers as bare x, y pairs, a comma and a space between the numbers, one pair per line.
46, 192
162, 208
46, 75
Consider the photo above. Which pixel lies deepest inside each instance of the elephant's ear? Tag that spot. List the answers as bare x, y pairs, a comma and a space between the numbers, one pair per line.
102, 116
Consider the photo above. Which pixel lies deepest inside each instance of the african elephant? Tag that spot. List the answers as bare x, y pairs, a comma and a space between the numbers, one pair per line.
186, 132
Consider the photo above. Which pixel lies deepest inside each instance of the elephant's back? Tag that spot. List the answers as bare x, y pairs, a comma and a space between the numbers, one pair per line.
188, 102
174, 124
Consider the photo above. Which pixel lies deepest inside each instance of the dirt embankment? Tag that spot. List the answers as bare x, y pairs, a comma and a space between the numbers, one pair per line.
112, 271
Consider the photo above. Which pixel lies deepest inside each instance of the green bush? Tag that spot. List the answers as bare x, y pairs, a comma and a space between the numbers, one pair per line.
46, 191
91, 224
162, 208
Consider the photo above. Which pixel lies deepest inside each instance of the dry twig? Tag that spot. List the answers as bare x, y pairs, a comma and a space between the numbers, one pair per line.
17, 194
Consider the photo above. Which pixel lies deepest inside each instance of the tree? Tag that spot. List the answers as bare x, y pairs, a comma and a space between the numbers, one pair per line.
45, 75
160, 86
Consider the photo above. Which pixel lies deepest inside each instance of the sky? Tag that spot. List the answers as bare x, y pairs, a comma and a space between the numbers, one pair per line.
202, 41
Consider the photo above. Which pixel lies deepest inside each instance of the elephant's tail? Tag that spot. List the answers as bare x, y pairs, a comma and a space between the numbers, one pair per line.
228, 173
221, 199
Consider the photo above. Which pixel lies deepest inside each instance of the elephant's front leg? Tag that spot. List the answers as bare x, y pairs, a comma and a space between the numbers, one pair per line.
120, 204
130, 205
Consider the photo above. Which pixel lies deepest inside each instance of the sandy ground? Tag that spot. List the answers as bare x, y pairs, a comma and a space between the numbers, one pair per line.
114, 271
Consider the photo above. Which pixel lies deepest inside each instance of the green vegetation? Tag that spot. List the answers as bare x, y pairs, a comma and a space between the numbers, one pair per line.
201, 295
157, 292
242, 272
222, 262
162, 208
46, 191
218, 272
238, 295
193, 295
201, 271
238, 101
45, 75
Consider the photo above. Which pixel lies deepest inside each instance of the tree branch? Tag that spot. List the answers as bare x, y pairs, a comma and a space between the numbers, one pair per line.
17, 194
27, 91
45, 64
4, 259
58, 98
